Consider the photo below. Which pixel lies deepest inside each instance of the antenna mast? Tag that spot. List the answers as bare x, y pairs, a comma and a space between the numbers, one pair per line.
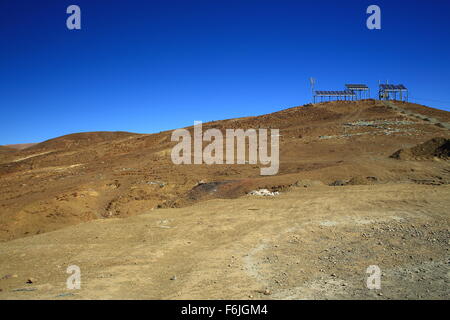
313, 82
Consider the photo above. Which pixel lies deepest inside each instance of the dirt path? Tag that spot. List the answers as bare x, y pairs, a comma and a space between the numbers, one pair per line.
314, 242
417, 115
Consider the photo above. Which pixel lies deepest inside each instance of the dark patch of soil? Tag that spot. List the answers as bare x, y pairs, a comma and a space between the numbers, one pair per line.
436, 147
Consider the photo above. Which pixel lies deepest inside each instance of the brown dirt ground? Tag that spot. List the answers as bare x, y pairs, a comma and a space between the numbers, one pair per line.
308, 243
5, 149
20, 146
436, 147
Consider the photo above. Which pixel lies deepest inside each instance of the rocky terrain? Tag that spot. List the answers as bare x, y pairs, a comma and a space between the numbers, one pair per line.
360, 183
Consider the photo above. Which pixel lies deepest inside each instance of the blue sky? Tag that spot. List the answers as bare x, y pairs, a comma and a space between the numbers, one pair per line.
148, 66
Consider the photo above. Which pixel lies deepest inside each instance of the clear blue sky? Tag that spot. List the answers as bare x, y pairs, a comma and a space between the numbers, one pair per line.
147, 66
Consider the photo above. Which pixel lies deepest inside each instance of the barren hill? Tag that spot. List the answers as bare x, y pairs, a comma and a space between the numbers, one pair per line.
87, 176
141, 227
79, 140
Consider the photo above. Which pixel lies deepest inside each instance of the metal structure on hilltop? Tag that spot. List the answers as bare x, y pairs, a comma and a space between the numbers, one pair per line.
362, 91
351, 93
393, 92
334, 95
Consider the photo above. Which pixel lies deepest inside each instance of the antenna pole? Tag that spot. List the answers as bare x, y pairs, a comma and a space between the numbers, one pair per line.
312, 82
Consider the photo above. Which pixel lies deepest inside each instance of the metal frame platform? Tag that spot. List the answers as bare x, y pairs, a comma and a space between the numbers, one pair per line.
335, 95
392, 92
